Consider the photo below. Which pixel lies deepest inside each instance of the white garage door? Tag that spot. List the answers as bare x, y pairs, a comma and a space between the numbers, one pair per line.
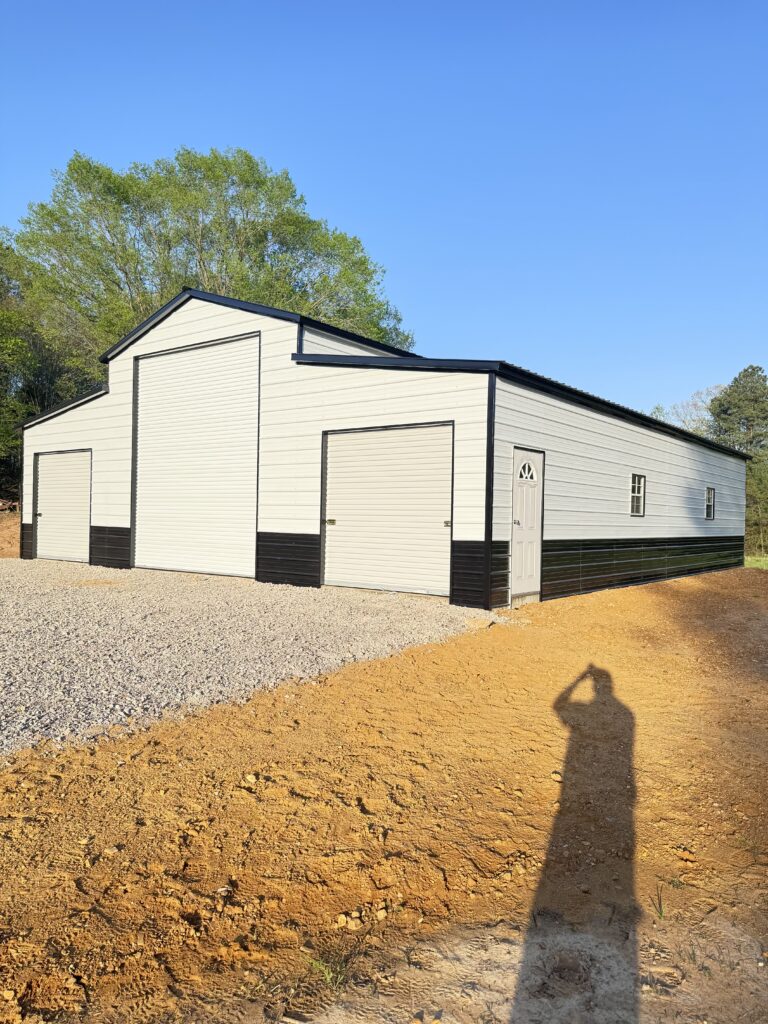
196, 453
388, 509
63, 506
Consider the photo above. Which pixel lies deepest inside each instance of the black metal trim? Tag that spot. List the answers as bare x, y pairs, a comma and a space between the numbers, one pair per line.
524, 378
135, 418
581, 566
247, 307
57, 410
290, 558
382, 427
35, 490
468, 574
26, 541
111, 546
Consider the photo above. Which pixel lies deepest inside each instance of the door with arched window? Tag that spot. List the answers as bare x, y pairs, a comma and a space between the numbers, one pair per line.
527, 504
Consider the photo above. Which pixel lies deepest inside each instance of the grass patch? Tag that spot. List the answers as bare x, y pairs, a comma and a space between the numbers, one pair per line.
756, 561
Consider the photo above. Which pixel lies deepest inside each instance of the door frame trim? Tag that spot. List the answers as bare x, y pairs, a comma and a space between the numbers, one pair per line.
36, 492
135, 428
543, 454
387, 426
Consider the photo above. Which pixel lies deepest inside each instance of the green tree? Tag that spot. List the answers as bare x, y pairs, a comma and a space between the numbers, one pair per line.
109, 247
740, 419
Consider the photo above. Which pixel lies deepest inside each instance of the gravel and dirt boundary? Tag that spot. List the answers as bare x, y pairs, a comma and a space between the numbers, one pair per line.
84, 647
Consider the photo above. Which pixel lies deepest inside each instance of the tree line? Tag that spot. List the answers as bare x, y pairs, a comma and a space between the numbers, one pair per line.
735, 415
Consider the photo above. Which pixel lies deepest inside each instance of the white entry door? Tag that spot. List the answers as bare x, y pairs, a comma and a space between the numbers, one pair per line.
388, 509
196, 455
63, 505
527, 496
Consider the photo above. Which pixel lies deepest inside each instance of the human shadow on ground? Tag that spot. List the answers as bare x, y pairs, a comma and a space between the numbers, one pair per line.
579, 961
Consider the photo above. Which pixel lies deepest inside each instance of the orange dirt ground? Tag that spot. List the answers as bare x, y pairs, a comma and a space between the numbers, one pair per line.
9, 535
273, 858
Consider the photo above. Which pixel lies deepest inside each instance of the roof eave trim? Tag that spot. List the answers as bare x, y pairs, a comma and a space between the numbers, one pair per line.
525, 378
247, 307
63, 407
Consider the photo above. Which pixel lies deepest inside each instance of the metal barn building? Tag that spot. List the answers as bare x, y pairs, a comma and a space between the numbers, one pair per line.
238, 439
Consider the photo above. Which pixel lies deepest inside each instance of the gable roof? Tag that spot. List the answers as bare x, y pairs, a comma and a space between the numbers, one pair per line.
249, 307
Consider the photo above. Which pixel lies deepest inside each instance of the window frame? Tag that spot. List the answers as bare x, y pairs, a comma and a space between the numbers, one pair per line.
710, 504
640, 494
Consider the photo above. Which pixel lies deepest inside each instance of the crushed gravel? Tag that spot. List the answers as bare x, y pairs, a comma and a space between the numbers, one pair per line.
83, 648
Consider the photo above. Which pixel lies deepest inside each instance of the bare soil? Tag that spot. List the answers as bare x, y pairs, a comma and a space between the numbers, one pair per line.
9, 535
561, 818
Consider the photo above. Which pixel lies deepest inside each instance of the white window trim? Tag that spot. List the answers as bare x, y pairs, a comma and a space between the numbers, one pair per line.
707, 491
640, 476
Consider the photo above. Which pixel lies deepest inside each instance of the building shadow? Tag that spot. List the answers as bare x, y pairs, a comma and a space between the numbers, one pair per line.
579, 963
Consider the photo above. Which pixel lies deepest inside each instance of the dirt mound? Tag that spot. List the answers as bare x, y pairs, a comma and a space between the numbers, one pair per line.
255, 860
9, 535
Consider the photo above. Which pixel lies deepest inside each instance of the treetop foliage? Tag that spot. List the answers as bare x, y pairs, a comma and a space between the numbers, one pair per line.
110, 247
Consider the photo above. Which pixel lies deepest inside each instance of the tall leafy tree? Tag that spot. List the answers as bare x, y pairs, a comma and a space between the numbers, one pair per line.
109, 247
740, 419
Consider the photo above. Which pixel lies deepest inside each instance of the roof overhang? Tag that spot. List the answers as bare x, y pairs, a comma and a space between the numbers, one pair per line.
526, 379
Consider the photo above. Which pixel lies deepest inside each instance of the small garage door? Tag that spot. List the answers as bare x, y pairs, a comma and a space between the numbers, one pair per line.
388, 509
63, 506
196, 453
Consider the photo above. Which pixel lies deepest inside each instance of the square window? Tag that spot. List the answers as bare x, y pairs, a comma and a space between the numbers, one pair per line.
710, 503
637, 495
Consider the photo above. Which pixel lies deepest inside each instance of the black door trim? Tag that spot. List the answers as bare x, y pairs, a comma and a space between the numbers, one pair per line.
387, 426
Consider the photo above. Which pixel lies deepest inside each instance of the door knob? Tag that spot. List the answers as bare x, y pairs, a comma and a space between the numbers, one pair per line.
515, 522
329, 522
38, 514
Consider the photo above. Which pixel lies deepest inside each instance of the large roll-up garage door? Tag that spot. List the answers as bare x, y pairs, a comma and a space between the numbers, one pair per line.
388, 508
196, 454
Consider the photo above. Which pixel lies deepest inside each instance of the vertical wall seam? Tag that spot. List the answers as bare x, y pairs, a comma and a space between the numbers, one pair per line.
489, 457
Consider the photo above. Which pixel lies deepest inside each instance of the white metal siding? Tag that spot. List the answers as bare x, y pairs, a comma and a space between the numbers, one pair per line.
105, 424
64, 506
590, 458
388, 497
319, 343
197, 459
299, 402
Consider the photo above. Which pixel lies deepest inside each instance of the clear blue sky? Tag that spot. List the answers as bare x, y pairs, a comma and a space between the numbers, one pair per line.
579, 188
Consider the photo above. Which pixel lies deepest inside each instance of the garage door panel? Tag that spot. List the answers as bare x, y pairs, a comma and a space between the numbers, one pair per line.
389, 492
197, 440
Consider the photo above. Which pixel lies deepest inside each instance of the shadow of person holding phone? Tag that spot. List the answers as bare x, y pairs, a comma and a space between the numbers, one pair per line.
579, 962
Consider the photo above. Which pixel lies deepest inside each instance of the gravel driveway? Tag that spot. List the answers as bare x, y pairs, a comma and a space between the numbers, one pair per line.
83, 647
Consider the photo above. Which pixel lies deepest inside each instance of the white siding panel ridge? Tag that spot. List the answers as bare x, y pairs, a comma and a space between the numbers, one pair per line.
196, 459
